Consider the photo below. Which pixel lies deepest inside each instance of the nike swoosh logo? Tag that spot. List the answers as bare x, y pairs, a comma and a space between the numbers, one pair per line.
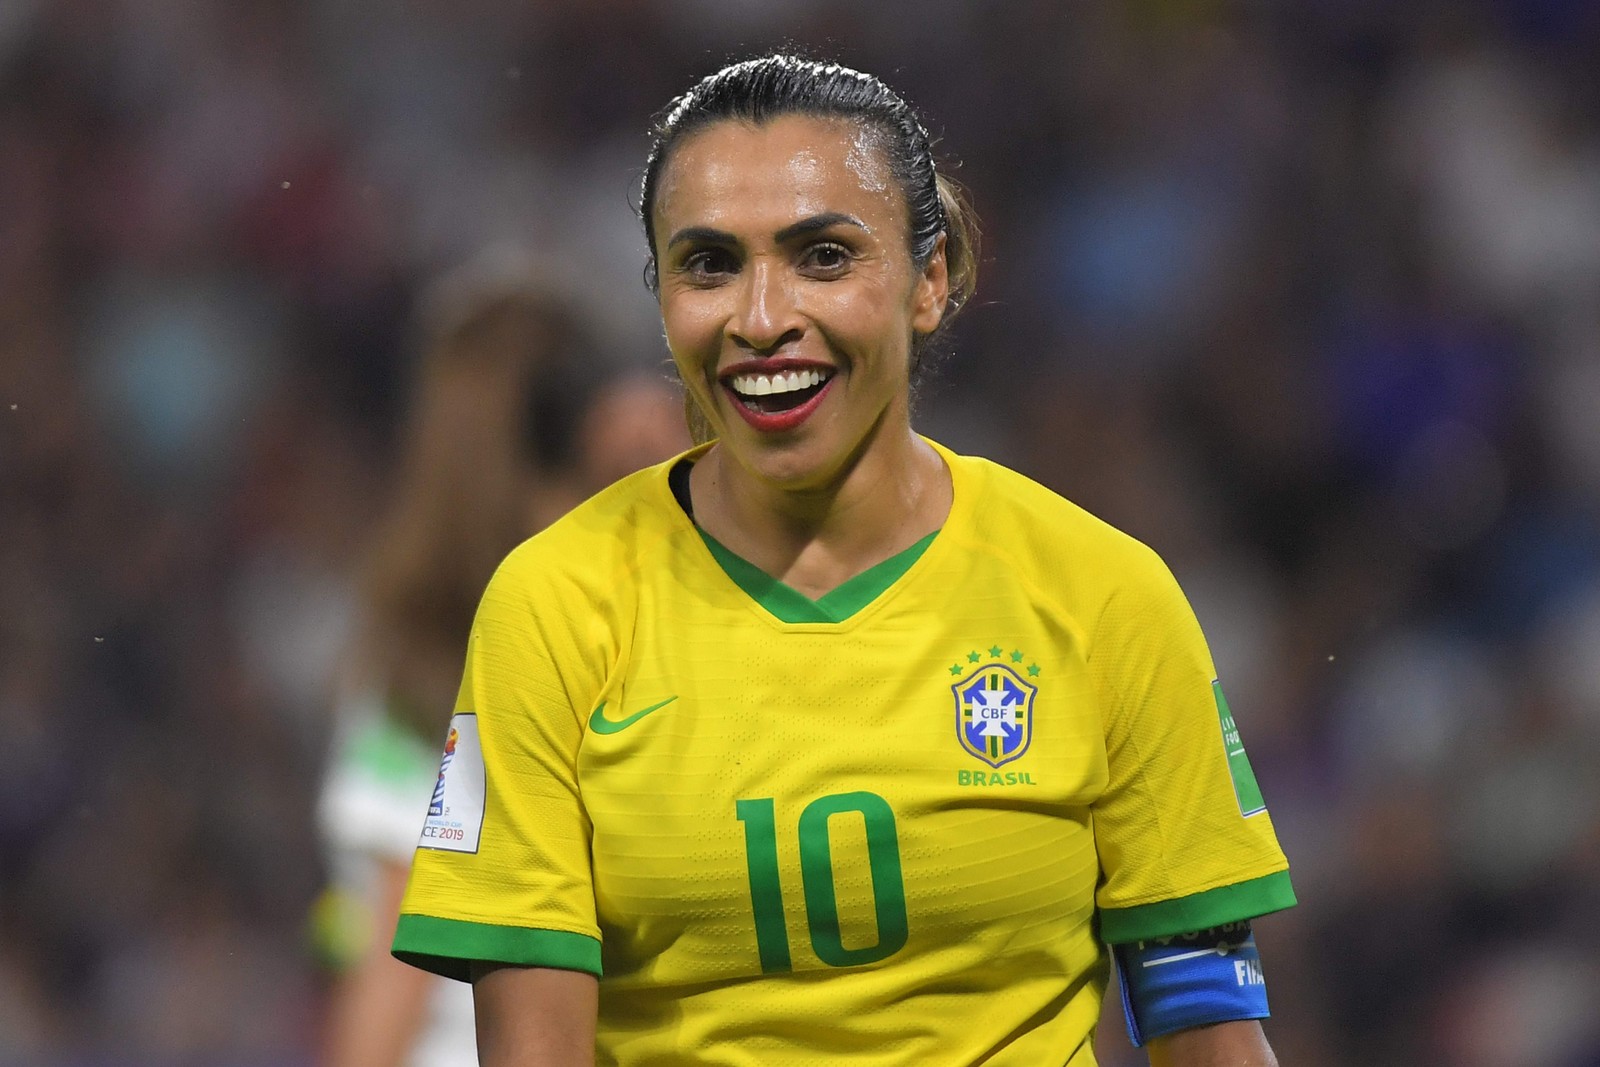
602, 725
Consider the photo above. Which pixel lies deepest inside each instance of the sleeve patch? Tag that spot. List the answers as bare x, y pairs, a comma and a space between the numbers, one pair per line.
455, 811
1175, 983
1245, 789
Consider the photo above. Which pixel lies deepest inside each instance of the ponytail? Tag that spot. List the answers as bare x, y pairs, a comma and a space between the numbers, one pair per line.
962, 242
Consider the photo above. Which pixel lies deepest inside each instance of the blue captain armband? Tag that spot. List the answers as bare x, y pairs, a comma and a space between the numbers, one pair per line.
1174, 983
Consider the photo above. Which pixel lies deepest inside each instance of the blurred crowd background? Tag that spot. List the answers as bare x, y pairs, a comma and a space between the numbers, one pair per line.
1305, 295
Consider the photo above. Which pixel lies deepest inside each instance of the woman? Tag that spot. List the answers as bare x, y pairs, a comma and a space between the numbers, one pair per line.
821, 743
501, 438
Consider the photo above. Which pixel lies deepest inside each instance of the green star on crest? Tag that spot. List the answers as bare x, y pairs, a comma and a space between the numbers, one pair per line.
973, 657
956, 669
1016, 656
994, 652
1033, 670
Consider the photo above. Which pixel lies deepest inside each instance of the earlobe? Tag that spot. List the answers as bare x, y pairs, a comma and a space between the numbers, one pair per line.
932, 291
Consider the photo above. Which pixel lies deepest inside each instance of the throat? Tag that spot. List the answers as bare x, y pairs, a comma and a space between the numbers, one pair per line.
813, 540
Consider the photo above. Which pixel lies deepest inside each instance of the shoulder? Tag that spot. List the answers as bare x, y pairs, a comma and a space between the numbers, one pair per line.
561, 607
1047, 534
602, 541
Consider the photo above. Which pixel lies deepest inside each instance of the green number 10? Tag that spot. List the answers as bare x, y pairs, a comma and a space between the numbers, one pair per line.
816, 876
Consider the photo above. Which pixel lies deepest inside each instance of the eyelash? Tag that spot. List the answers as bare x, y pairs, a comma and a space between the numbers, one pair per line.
831, 247
703, 264
695, 264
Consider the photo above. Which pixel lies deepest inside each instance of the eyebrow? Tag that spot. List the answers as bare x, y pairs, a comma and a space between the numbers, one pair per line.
708, 235
815, 223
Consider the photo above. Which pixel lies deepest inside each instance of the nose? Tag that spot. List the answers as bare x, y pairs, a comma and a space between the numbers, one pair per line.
767, 317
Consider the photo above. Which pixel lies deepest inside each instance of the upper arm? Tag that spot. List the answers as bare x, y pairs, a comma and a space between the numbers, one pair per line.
503, 873
1183, 836
534, 1016
1231, 1044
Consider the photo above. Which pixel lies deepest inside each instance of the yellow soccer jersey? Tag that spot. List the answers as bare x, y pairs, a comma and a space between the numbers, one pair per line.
892, 826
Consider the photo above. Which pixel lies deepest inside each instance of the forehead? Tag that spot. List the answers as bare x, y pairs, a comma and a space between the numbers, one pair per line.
734, 175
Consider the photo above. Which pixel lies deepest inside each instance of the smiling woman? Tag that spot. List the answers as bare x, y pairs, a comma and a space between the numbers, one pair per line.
821, 743
796, 263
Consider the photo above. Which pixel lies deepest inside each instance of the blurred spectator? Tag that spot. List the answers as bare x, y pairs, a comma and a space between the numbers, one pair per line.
499, 439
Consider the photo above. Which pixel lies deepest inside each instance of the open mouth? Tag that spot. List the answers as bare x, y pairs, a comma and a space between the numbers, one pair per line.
780, 391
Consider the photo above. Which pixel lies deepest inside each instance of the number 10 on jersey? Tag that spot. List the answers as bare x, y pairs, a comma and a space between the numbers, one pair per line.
816, 879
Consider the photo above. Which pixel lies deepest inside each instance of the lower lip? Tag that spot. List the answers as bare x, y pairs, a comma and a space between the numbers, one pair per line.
779, 421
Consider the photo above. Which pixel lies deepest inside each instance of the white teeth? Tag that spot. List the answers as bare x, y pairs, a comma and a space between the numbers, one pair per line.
766, 385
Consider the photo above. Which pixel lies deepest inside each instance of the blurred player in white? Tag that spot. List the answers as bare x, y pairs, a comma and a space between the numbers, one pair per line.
500, 439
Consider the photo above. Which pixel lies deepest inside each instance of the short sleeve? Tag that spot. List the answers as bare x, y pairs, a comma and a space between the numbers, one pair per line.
1183, 835
502, 872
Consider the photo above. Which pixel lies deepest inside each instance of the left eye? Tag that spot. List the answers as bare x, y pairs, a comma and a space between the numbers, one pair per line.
828, 257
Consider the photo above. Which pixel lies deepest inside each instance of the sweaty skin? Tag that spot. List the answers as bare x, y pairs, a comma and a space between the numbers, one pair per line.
865, 161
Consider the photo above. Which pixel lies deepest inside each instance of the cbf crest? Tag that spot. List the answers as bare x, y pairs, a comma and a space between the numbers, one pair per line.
994, 705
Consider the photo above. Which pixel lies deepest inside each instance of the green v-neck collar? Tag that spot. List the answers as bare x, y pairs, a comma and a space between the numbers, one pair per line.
784, 602
789, 605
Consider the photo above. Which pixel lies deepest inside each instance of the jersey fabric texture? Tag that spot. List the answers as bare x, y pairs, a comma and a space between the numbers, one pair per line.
894, 825
370, 810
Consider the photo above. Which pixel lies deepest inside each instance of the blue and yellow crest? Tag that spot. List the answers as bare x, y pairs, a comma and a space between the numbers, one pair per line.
994, 710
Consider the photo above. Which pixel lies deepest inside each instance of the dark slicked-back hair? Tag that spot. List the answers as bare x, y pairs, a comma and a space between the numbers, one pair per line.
759, 90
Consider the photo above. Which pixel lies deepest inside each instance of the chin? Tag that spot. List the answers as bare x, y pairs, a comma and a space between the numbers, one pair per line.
796, 467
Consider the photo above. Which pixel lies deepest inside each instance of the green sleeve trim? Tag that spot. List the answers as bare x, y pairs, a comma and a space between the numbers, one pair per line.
449, 947
1225, 904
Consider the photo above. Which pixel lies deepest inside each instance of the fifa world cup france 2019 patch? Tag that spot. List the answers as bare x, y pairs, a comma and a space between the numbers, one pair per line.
455, 811
1245, 789
994, 703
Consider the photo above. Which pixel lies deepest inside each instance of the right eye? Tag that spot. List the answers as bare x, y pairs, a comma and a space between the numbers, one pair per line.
709, 263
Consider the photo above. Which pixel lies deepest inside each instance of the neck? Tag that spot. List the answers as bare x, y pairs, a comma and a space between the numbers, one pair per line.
891, 494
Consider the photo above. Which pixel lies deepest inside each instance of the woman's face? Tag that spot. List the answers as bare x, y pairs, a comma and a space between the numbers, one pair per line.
788, 292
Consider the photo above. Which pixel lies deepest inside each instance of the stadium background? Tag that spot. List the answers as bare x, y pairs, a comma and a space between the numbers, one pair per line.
1305, 295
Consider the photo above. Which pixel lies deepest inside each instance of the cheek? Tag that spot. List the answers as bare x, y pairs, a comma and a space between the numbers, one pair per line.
873, 322
691, 330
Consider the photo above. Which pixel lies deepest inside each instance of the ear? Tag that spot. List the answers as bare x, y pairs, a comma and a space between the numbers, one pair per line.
931, 291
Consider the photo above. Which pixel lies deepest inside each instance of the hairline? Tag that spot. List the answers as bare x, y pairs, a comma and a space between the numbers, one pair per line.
874, 129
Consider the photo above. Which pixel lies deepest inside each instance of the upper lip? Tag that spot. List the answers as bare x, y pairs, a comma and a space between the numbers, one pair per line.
772, 365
